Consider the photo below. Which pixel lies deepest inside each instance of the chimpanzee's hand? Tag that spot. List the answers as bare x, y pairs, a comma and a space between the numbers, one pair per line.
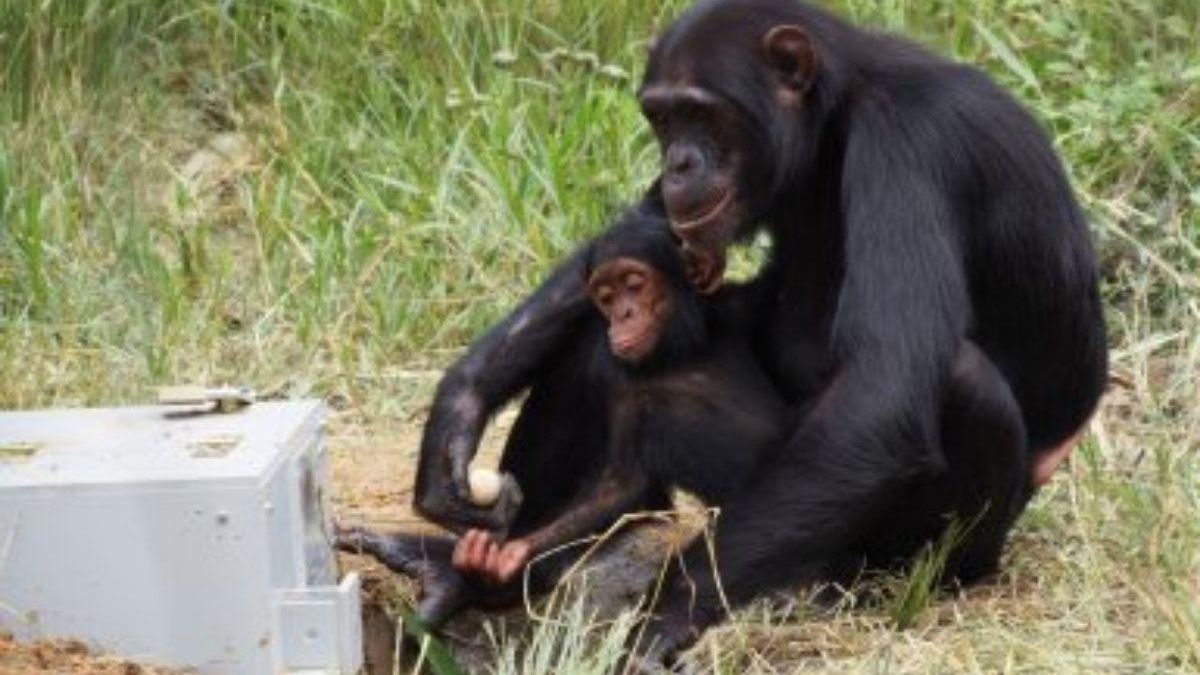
443, 489
705, 268
478, 554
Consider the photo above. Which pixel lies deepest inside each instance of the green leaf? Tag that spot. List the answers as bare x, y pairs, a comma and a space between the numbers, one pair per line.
437, 655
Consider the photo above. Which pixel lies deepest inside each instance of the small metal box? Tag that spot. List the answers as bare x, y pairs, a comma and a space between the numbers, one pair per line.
176, 537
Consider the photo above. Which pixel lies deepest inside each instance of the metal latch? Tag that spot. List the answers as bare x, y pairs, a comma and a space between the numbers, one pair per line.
222, 399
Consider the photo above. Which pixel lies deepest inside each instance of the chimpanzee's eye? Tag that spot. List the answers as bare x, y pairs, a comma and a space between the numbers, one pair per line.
604, 295
635, 281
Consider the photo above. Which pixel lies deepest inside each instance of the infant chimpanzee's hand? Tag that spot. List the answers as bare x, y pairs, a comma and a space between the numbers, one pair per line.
478, 554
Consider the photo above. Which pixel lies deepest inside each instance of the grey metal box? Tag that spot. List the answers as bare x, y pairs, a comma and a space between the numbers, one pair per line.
196, 540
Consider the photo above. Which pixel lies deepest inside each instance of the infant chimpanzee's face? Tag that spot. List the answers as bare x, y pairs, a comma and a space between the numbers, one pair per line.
634, 298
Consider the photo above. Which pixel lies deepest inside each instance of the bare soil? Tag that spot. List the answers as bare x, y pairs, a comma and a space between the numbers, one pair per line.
66, 656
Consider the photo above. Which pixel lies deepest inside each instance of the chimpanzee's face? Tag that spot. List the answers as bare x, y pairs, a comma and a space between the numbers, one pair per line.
719, 105
636, 302
701, 164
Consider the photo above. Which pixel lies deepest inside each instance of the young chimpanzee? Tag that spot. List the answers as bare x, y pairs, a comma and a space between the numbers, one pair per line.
689, 405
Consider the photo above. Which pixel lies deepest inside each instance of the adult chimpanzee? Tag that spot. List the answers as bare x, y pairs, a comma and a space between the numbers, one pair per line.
933, 297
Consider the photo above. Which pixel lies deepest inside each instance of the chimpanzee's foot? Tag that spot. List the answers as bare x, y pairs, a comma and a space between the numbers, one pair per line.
426, 559
443, 592
1046, 463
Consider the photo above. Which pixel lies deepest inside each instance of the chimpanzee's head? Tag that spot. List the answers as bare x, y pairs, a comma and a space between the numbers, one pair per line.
728, 91
635, 276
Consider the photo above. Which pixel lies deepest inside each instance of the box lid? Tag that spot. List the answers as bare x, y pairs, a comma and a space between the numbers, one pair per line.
94, 446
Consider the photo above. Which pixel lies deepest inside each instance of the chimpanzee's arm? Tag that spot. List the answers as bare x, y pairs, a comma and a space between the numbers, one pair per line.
479, 554
617, 493
495, 368
902, 315
622, 485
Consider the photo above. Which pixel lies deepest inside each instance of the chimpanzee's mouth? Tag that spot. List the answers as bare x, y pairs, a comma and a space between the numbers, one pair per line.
630, 347
708, 215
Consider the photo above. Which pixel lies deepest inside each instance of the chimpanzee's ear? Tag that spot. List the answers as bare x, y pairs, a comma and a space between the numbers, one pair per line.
791, 56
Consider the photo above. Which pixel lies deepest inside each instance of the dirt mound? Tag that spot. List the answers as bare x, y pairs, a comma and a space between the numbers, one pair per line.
67, 656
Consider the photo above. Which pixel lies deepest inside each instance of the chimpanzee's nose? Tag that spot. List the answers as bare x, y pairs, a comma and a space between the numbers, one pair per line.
682, 160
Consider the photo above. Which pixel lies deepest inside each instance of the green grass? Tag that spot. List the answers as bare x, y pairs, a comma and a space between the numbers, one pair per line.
326, 195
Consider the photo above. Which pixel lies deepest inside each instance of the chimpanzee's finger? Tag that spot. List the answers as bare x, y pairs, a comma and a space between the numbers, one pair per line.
492, 564
469, 553
480, 546
458, 558
513, 558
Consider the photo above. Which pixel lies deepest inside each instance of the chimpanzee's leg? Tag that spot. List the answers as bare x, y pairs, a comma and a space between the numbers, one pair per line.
984, 484
985, 443
425, 558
